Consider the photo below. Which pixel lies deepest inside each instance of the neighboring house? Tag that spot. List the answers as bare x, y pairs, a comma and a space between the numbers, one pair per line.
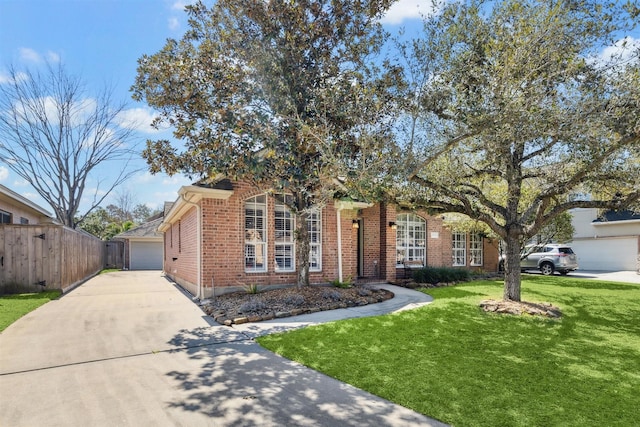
609, 242
143, 246
16, 209
221, 237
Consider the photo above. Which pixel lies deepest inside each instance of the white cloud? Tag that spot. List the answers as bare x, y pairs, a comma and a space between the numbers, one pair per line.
4, 173
623, 49
30, 55
175, 180
407, 9
174, 24
21, 183
138, 119
7, 78
179, 5
145, 178
53, 57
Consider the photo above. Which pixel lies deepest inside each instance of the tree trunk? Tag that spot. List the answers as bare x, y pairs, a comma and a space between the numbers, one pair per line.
302, 249
512, 269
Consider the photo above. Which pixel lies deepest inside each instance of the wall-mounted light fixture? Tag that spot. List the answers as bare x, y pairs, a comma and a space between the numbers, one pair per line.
393, 225
355, 223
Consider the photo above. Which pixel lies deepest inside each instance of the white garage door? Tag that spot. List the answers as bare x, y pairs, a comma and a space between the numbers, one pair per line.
146, 256
607, 254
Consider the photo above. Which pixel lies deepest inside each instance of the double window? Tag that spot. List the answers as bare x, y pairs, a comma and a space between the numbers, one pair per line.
284, 246
475, 249
459, 246
411, 238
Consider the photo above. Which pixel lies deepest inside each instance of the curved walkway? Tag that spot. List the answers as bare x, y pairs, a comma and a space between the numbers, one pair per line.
404, 299
131, 349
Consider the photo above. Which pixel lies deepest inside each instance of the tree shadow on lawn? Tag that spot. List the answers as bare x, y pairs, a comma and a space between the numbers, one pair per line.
239, 383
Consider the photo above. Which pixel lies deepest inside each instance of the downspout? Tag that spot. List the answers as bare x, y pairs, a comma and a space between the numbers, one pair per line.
199, 293
339, 228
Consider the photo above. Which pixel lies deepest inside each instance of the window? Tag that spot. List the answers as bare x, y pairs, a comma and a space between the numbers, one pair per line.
255, 232
24, 221
411, 238
314, 225
5, 217
475, 249
459, 244
284, 224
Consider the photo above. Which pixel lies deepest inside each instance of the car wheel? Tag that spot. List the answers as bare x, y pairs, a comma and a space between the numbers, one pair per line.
546, 268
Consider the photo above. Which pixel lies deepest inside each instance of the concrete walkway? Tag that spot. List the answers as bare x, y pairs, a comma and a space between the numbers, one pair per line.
130, 349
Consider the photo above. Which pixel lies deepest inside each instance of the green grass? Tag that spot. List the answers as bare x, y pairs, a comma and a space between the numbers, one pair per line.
109, 270
13, 307
453, 362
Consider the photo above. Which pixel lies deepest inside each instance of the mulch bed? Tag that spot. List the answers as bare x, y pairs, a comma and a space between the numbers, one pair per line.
544, 309
243, 307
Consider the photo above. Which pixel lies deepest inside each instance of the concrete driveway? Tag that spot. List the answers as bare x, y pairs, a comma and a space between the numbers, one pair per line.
130, 349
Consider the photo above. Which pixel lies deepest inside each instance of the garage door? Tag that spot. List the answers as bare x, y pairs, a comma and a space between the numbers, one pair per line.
607, 254
146, 256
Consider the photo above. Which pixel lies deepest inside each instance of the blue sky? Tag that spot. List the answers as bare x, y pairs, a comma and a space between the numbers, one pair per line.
101, 41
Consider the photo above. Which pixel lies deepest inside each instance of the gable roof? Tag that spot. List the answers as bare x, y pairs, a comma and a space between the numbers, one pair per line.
148, 230
15, 198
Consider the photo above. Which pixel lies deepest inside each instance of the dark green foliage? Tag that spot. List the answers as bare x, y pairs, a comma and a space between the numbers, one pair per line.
433, 275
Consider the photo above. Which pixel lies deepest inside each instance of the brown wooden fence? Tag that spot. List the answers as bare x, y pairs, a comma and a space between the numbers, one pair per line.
33, 257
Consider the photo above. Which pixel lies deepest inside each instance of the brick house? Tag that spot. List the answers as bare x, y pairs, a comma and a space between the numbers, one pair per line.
221, 237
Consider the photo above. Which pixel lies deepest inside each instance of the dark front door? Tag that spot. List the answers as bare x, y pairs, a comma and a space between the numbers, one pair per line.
360, 248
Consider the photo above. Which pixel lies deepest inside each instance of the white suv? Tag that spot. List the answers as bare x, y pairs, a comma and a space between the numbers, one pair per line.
548, 258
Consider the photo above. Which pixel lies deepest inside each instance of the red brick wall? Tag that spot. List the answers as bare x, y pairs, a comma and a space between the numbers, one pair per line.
223, 244
222, 264
180, 248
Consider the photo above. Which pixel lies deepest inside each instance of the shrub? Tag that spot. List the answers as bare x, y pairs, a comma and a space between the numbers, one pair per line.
252, 306
433, 275
252, 289
331, 295
295, 300
342, 285
364, 291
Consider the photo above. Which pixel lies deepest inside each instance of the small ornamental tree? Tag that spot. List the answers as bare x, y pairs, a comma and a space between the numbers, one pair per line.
513, 114
254, 89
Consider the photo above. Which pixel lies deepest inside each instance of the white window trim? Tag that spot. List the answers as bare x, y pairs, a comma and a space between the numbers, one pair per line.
292, 243
265, 229
456, 250
476, 239
409, 218
319, 244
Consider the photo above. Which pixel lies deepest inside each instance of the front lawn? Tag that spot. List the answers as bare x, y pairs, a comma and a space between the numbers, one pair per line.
13, 307
453, 362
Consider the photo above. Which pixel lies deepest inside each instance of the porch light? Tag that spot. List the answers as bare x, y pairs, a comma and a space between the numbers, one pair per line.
355, 223
393, 225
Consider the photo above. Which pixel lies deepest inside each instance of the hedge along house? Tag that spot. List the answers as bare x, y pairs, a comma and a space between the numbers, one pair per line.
222, 237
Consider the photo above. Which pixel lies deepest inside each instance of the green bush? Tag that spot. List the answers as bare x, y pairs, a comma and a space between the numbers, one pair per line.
433, 275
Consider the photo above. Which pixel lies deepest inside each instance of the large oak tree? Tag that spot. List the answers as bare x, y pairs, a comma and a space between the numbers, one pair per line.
254, 89
513, 115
